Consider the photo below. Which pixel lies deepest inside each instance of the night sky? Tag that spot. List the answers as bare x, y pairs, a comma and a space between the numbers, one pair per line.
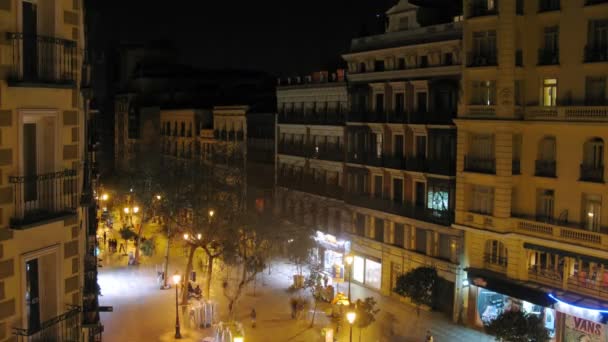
268, 35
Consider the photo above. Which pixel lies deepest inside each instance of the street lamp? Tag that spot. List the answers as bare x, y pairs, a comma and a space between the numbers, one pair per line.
135, 210
211, 213
176, 279
104, 197
349, 261
238, 339
186, 236
350, 317
127, 210
158, 197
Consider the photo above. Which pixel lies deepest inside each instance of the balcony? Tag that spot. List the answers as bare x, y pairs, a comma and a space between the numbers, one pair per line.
481, 9
481, 110
589, 284
595, 54
65, 327
398, 117
570, 113
367, 116
480, 165
595, 2
516, 167
545, 276
560, 230
314, 118
395, 162
438, 117
44, 197
41, 61
495, 262
294, 149
446, 167
328, 152
548, 57
305, 183
544, 168
417, 164
481, 59
548, 5
400, 208
365, 158
592, 173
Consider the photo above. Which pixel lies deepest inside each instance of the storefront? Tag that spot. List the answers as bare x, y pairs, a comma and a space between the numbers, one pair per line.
490, 295
581, 323
330, 253
367, 271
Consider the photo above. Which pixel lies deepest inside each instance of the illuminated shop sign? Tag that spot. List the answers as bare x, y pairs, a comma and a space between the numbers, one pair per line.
594, 315
332, 241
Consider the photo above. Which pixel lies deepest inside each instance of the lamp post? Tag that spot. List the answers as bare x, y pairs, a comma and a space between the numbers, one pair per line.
176, 279
351, 316
129, 211
349, 262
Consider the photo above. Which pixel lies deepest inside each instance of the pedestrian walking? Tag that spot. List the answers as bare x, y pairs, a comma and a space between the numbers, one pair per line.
253, 317
122, 248
429, 336
104, 238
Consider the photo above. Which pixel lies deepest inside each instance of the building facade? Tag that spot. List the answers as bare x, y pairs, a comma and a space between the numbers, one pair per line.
530, 167
310, 160
400, 152
42, 225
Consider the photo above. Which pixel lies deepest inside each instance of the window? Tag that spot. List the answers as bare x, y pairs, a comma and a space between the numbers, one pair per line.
518, 92
421, 99
399, 103
483, 93
379, 103
595, 91
482, 199
379, 229
495, 253
594, 153
445, 247
421, 240
398, 145
598, 34
399, 235
420, 198
379, 65
484, 46
448, 58
362, 67
424, 61
551, 38
378, 145
360, 225
549, 92
546, 149
403, 23
544, 204
592, 209
398, 190
378, 186
421, 146
401, 63
438, 197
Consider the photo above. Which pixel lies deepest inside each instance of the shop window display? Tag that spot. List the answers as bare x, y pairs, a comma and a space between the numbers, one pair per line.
373, 273
491, 304
358, 269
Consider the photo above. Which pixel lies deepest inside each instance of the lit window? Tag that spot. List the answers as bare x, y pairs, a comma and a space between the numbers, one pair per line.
549, 92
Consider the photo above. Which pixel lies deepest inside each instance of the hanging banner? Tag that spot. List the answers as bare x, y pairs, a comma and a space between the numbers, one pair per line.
580, 329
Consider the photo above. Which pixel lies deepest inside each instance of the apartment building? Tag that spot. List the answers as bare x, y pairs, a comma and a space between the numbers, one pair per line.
530, 168
400, 152
310, 160
42, 124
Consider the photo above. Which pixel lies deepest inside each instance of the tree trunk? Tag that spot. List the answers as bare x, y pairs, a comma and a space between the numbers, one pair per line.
209, 276
166, 266
137, 244
187, 274
314, 313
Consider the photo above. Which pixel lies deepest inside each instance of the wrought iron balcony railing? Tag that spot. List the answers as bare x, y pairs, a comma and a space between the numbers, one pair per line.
38, 198
596, 54
65, 327
330, 118
545, 168
548, 5
42, 60
548, 56
481, 165
480, 8
592, 173
595, 2
480, 59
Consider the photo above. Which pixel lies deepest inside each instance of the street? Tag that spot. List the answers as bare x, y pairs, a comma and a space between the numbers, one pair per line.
142, 312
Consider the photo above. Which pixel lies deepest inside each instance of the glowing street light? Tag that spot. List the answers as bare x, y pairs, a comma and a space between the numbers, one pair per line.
211, 213
186, 236
238, 339
176, 279
199, 236
127, 210
158, 197
135, 209
350, 317
104, 197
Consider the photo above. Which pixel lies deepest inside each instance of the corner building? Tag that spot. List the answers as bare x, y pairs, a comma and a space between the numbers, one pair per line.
530, 169
42, 126
400, 153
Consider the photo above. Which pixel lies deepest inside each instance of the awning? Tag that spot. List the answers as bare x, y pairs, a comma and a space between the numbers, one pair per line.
565, 253
499, 283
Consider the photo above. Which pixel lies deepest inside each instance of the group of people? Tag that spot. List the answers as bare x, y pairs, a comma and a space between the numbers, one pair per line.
194, 292
113, 245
